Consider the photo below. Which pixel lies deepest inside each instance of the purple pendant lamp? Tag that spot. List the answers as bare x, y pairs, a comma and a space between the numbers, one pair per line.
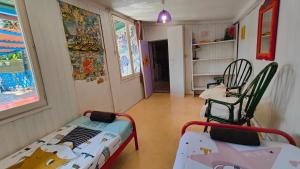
164, 16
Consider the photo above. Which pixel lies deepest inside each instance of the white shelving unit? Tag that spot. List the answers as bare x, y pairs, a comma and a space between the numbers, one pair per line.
212, 58
209, 59
209, 74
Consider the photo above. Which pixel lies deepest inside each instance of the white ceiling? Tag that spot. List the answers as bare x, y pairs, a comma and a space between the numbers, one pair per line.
181, 10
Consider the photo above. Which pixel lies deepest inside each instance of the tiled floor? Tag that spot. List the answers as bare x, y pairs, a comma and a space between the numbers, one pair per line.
159, 120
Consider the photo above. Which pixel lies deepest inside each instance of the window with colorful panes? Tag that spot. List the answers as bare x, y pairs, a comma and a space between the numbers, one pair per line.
127, 47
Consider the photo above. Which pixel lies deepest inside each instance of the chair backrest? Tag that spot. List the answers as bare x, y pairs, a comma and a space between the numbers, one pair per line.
237, 73
257, 88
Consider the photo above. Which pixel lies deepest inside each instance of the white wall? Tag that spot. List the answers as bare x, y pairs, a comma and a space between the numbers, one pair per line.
114, 94
176, 60
280, 105
66, 98
90, 95
154, 32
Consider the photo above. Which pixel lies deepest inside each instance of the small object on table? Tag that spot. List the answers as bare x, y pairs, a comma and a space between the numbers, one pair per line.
204, 41
230, 33
218, 40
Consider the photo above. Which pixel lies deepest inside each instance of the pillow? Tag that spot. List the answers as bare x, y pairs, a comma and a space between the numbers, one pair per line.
216, 92
105, 117
235, 136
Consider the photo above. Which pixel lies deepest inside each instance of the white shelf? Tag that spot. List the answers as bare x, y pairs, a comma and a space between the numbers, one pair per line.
211, 58
208, 59
212, 43
208, 74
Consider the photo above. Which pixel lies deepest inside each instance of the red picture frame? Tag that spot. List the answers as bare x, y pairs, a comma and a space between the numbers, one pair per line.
274, 6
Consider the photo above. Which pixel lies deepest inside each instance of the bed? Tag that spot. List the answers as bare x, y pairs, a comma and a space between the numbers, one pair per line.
93, 145
198, 151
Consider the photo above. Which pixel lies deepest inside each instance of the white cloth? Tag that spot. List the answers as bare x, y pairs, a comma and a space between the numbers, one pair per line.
89, 154
199, 151
214, 93
220, 110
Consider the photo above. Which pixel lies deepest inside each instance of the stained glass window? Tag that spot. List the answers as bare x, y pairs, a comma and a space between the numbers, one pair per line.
123, 48
134, 49
127, 47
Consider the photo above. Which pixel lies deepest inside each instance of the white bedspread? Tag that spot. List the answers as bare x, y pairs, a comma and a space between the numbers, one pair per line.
199, 151
49, 153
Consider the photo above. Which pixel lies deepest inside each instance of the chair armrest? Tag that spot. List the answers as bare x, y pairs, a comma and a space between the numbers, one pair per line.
228, 94
233, 87
238, 88
213, 84
230, 106
219, 102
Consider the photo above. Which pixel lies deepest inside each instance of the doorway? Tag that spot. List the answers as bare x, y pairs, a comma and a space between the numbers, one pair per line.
160, 66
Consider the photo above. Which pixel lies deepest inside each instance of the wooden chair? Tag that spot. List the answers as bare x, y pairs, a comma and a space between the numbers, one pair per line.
241, 108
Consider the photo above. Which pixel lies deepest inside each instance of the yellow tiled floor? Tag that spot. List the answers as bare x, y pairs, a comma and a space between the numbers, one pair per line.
159, 120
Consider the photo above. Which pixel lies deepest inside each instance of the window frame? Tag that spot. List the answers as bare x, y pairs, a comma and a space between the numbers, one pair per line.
127, 24
35, 67
138, 46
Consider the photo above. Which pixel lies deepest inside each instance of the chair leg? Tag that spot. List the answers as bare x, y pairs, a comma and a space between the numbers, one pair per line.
248, 123
205, 128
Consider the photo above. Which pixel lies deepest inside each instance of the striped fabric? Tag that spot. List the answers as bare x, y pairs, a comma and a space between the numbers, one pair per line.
79, 135
11, 41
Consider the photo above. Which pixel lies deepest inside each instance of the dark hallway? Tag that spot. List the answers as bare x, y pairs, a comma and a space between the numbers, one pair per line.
161, 66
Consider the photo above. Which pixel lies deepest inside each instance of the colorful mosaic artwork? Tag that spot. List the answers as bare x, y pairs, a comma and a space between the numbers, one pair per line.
85, 43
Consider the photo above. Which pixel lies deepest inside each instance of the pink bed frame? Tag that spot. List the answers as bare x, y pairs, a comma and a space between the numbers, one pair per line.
133, 135
261, 130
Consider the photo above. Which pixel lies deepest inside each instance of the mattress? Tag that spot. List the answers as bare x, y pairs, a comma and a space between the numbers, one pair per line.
199, 151
121, 127
81, 144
